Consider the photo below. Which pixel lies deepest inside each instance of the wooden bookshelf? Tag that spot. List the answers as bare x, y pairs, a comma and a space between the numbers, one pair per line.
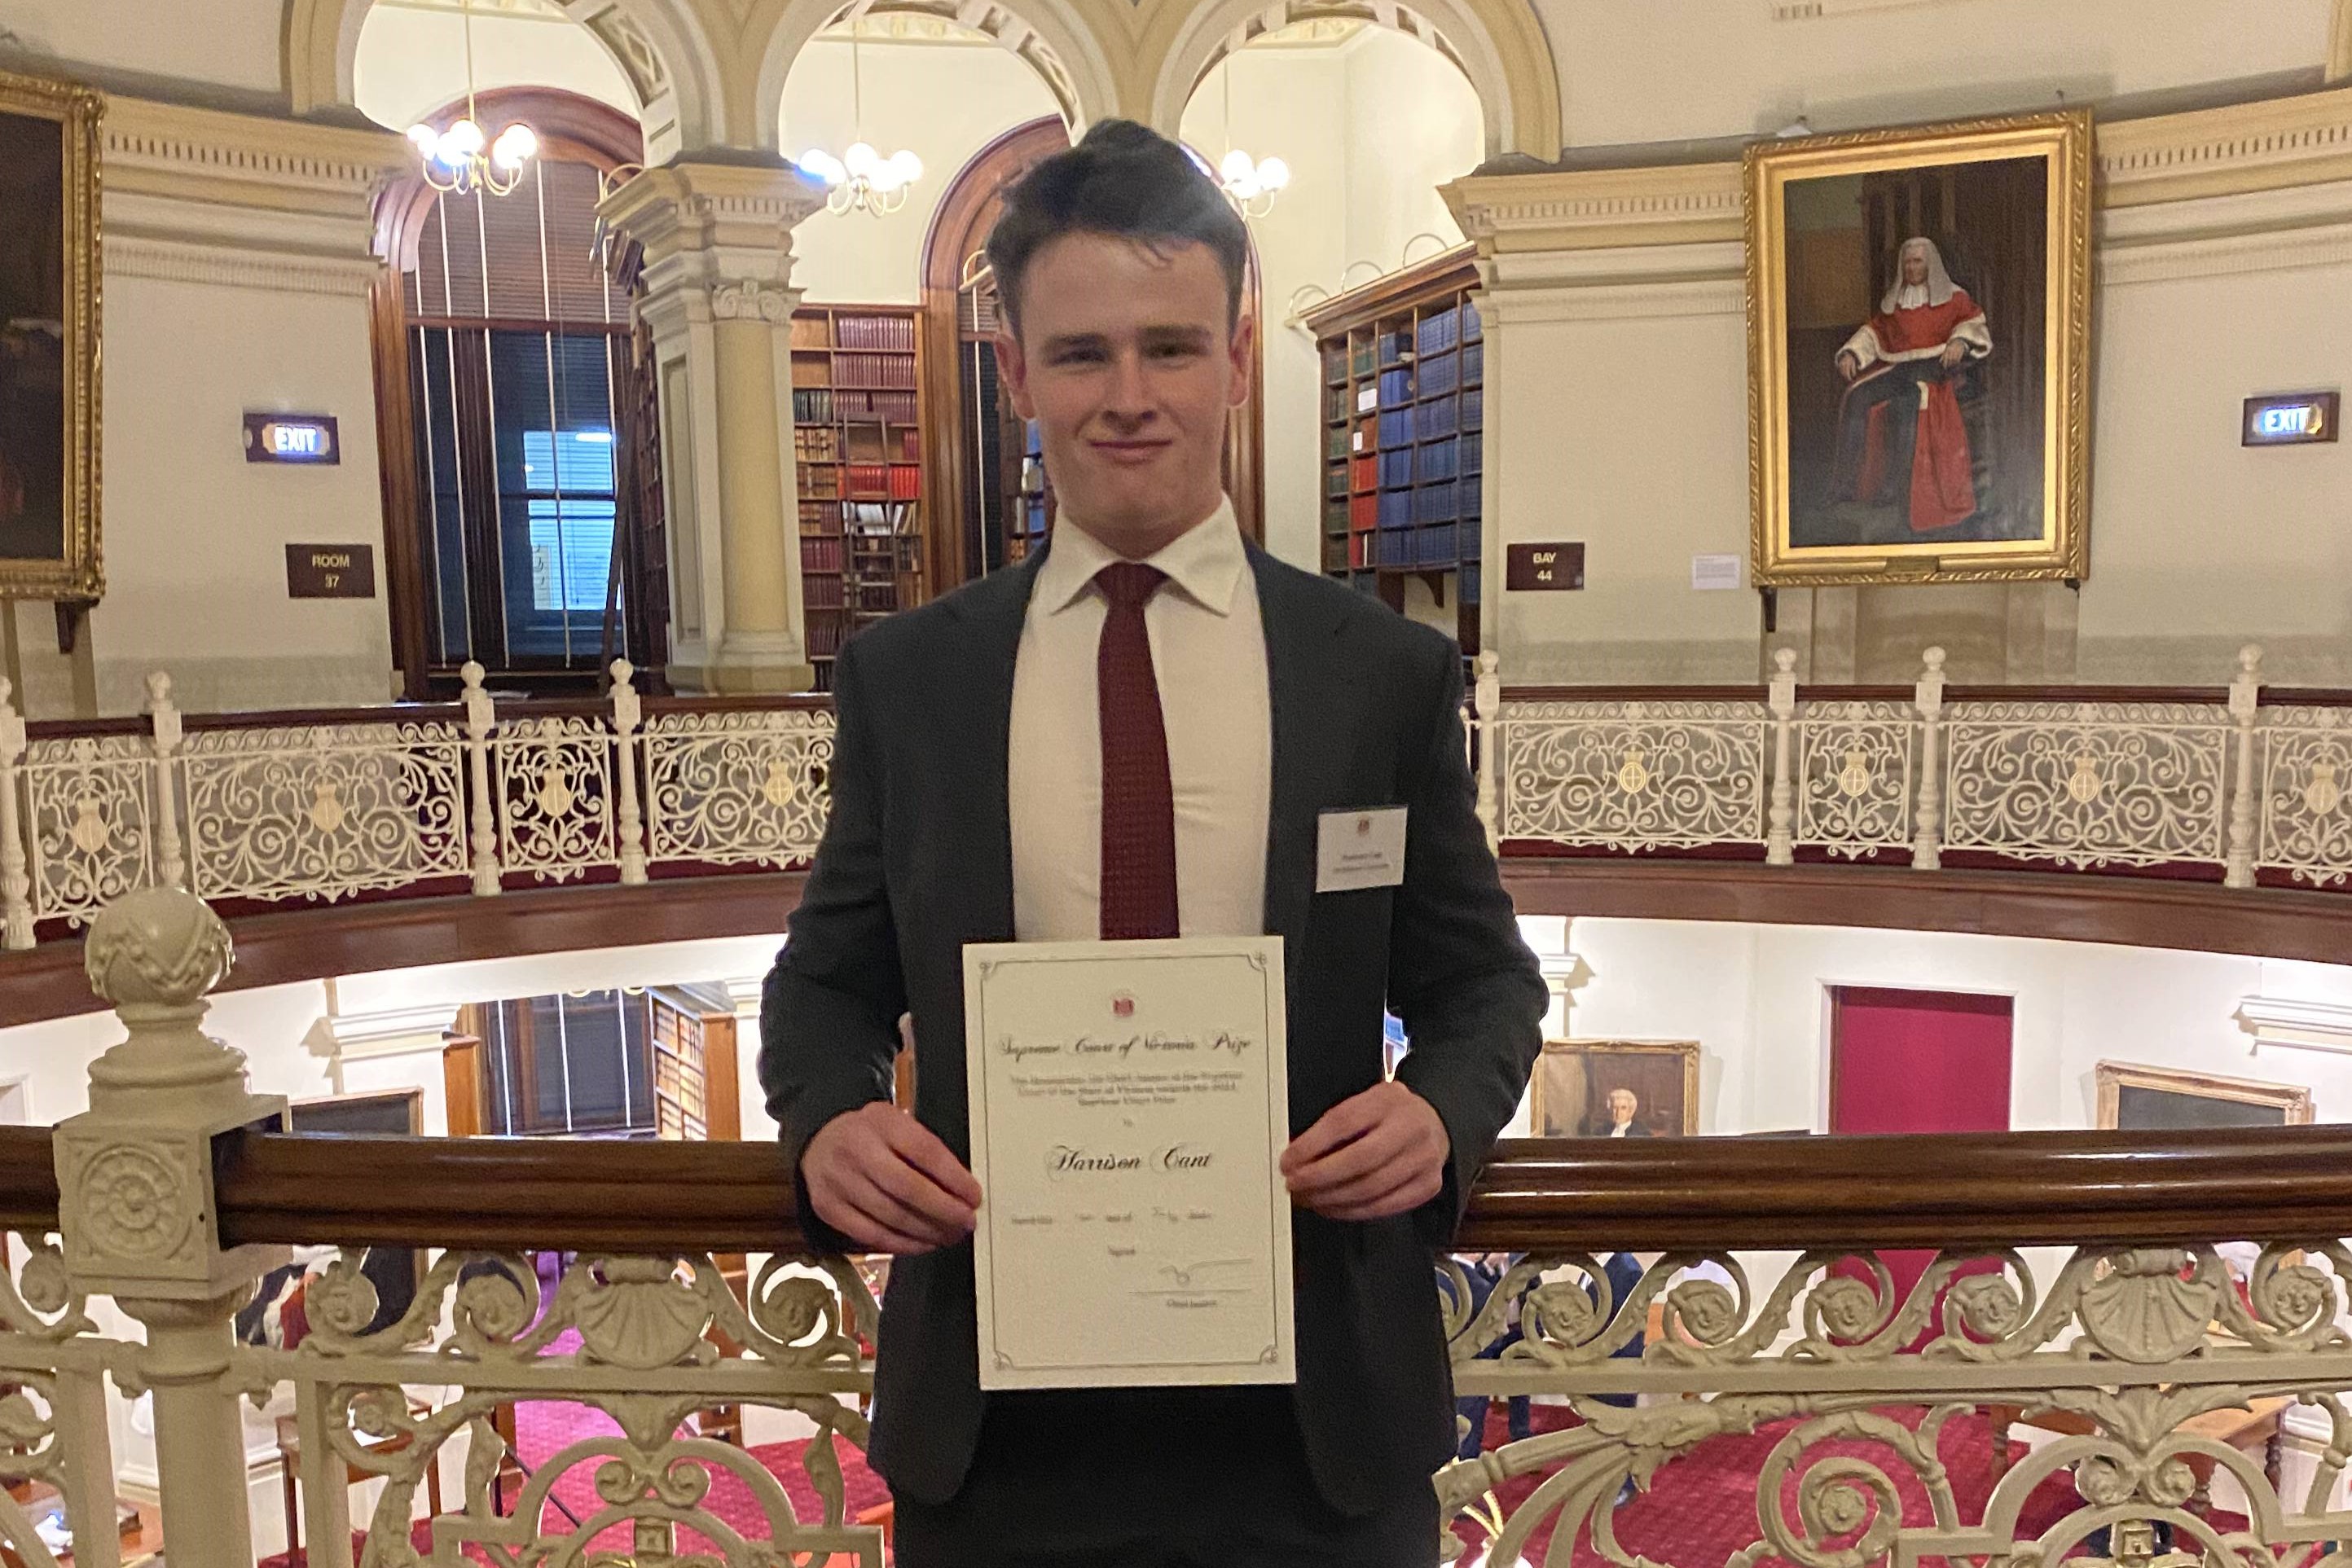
1403, 434
857, 445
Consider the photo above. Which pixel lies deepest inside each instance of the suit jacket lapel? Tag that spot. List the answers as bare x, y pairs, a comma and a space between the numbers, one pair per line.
994, 610
1310, 751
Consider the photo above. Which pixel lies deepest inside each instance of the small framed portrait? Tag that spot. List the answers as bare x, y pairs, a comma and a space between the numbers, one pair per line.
1615, 1089
1918, 314
2165, 1099
48, 340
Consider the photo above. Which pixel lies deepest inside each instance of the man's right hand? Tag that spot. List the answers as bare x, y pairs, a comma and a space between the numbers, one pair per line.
1849, 364
888, 1183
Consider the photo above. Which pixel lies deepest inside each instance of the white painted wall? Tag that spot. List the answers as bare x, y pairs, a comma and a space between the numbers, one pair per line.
1755, 997
195, 536
1629, 435
943, 101
411, 61
1677, 68
231, 43
2197, 543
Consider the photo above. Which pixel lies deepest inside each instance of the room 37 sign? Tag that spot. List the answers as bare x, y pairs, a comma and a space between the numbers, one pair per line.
331, 572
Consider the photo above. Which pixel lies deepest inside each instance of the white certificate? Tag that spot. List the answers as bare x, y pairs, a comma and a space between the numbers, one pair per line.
1130, 1102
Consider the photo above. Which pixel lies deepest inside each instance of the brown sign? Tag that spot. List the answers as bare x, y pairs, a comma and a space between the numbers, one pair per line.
1540, 568
331, 572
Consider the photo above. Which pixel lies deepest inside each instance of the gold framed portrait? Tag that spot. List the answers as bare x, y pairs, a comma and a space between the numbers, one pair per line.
2133, 1097
48, 340
1614, 1089
1919, 360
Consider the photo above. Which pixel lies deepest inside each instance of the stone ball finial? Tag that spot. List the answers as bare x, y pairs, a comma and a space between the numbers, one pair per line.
1935, 658
157, 946
2249, 658
1784, 659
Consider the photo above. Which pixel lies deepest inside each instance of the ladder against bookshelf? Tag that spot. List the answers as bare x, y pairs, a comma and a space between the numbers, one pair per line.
858, 415
1402, 436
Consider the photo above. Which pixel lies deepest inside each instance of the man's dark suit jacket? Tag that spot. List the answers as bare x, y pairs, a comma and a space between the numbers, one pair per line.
917, 861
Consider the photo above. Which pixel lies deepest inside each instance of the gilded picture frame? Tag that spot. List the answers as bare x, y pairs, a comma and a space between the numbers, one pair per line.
2133, 1097
49, 374
1918, 361
1567, 1095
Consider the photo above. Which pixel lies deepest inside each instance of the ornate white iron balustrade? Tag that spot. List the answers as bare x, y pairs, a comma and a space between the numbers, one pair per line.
2253, 781
1862, 1390
264, 810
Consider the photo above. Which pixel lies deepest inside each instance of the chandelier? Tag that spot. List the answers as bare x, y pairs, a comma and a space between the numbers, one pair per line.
861, 179
463, 160
1250, 183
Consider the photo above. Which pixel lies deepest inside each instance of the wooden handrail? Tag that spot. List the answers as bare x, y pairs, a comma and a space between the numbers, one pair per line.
1951, 1190
2005, 1190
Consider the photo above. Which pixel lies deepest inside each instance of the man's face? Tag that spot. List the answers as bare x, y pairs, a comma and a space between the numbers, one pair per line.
1126, 361
1621, 1106
1915, 267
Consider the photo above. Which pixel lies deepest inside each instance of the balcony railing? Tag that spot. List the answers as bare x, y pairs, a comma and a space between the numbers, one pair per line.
1791, 1404
262, 807
2242, 784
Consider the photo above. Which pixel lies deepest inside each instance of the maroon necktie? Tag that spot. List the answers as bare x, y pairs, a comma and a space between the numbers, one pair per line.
1138, 807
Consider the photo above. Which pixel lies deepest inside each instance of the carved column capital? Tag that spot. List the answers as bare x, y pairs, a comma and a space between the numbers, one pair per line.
751, 299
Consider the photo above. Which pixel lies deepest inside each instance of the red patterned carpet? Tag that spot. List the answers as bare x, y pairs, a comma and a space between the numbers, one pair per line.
1704, 1513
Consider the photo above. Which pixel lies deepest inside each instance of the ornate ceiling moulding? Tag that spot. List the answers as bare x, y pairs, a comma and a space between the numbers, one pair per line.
244, 161
2275, 144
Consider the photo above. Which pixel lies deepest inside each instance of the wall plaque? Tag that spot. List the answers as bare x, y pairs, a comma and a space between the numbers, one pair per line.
1541, 568
331, 572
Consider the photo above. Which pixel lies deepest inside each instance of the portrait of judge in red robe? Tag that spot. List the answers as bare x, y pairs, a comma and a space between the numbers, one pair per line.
1901, 442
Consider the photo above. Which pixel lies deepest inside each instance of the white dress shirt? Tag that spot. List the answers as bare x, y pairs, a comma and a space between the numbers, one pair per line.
1208, 653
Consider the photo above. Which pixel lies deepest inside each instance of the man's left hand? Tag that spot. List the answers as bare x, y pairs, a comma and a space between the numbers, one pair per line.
1373, 1155
1953, 352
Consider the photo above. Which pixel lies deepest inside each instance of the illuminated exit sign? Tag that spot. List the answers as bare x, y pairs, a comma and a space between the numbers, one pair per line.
291, 438
2292, 420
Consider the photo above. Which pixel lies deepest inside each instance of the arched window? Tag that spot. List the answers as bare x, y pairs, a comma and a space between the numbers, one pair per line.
532, 541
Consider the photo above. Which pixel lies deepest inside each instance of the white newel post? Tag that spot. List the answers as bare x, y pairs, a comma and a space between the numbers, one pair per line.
1490, 712
137, 1209
16, 879
1781, 839
171, 866
628, 713
2245, 704
480, 717
1926, 847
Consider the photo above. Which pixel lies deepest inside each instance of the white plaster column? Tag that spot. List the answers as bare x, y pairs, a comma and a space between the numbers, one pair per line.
743, 990
718, 276
370, 1053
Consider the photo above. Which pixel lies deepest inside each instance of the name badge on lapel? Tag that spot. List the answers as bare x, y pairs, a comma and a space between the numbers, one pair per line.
1359, 848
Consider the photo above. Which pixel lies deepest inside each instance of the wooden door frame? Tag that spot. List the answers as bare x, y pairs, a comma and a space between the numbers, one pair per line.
966, 212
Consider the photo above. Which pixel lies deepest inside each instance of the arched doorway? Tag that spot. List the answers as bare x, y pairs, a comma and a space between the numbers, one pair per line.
976, 448
522, 507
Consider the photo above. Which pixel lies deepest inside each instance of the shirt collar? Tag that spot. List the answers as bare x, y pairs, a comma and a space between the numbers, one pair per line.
1204, 563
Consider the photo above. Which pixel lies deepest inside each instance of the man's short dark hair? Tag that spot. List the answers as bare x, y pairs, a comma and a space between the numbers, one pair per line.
1124, 180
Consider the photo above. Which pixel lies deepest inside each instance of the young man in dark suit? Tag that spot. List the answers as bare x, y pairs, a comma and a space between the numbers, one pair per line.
1136, 735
